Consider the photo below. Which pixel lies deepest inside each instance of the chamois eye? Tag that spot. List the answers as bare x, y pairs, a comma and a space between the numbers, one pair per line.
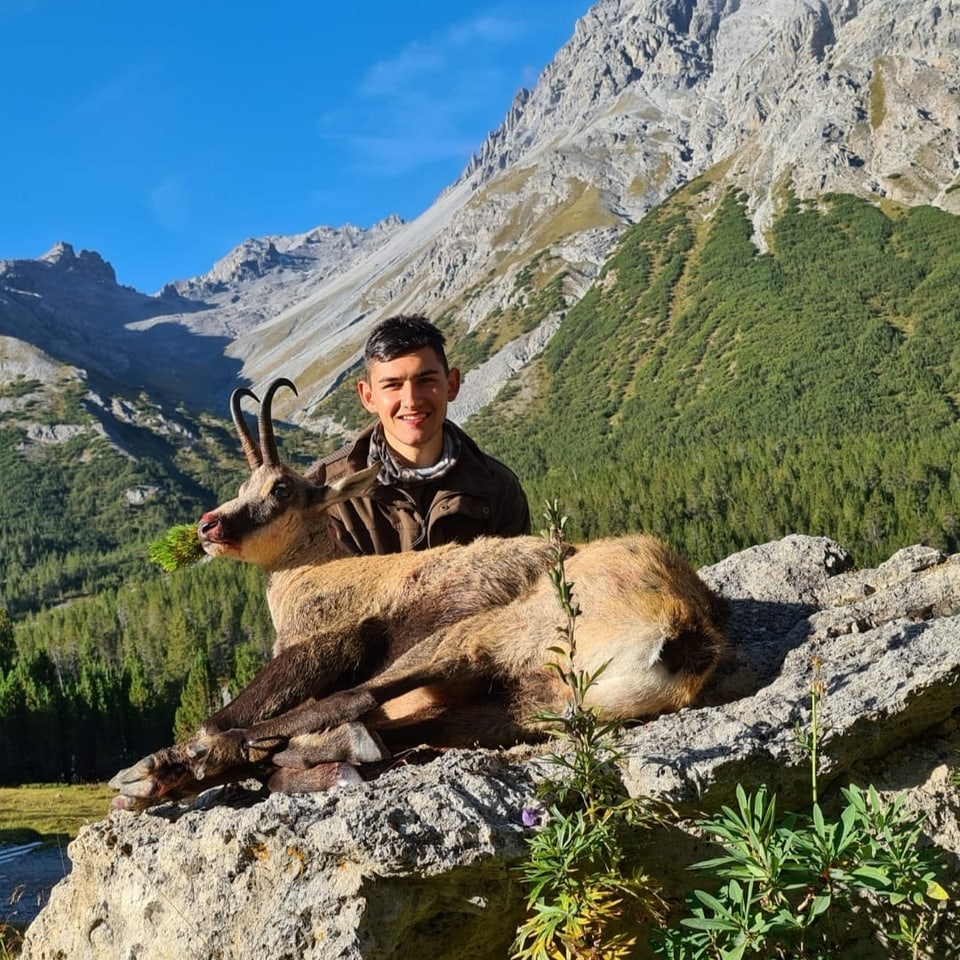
281, 490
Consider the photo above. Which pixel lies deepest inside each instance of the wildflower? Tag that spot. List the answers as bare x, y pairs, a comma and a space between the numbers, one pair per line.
532, 816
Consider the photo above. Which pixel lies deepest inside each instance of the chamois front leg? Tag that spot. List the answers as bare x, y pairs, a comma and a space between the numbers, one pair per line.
314, 762
222, 751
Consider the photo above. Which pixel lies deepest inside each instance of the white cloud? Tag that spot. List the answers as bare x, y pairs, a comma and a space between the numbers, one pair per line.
18, 8
168, 203
432, 100
449, 51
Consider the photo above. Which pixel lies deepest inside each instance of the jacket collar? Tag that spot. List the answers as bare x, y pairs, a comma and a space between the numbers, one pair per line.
472, 470
393, 472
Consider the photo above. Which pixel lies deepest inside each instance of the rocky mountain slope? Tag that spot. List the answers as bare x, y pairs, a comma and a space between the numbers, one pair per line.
173, 344
840, 95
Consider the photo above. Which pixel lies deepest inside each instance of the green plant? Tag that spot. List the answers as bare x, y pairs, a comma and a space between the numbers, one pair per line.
792, 885
11, 940
586, 897
178, 547
808, 737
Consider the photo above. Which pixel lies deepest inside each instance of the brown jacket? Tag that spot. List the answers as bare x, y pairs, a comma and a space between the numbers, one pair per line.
478, 496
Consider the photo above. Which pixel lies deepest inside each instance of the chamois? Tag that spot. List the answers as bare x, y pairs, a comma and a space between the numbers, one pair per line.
447, 646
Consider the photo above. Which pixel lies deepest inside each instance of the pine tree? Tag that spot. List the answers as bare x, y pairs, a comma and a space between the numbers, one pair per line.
139, 694
247, 662
8, 646
199, 699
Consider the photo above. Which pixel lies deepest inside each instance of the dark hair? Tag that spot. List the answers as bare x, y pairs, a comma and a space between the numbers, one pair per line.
403, 334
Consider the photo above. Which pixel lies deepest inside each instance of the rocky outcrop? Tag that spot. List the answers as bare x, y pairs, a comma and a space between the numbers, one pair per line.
420, 862
62, 257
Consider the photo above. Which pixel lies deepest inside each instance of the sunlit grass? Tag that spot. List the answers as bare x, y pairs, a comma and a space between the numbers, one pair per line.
52, 813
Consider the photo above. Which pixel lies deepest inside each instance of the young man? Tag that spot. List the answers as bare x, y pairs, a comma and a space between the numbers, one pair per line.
436, 485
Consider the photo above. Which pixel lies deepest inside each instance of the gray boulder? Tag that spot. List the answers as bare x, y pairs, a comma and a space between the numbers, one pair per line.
422, 861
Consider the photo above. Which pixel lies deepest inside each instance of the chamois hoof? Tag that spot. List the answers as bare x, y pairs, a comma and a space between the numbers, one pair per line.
122, 802
140, 780
168, 774
145, 784
324, 776
133, 804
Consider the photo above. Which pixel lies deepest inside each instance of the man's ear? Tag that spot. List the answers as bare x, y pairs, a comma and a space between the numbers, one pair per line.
366, 396
453, 383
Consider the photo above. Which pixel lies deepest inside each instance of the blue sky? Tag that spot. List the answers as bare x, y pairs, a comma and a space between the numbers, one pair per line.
161, 135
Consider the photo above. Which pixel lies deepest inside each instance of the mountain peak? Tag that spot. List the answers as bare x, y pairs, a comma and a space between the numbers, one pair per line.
87, 262
59, 252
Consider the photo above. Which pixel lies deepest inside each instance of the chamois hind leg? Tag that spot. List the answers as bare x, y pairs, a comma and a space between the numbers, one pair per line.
321, 761
220, 752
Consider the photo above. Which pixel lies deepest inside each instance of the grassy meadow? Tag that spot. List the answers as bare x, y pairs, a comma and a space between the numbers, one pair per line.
52, 813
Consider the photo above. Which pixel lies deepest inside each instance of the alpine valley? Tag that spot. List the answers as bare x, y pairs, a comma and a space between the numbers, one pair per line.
703, 282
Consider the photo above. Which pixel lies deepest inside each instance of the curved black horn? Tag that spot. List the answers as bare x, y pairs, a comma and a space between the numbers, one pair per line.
250, 448
268, 443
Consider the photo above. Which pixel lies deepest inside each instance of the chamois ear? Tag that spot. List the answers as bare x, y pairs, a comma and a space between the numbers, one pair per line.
354, 485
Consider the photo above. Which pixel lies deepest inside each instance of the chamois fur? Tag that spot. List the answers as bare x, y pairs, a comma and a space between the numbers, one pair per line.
446, 646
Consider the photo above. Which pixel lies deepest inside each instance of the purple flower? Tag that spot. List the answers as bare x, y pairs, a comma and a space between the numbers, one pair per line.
531, 816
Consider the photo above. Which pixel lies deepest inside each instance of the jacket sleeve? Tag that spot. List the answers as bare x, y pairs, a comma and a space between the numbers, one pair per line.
347, 545
513, 515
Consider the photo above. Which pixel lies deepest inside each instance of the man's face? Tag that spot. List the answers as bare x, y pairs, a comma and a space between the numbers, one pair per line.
410, 396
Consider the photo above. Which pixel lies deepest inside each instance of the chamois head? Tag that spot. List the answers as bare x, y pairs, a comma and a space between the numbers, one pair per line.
277, 513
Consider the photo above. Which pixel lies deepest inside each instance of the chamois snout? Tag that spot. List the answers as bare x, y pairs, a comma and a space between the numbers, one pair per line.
209, 527
216, 537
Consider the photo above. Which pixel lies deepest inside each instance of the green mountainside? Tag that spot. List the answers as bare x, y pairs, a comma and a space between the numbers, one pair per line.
722, 397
